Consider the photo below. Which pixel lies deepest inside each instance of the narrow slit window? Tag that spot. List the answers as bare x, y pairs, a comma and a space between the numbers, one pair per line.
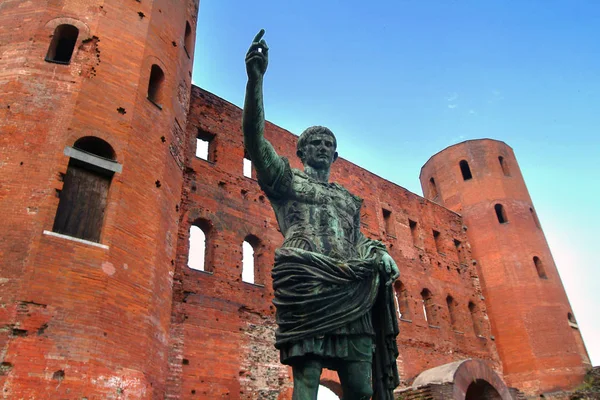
437, 240
501, 213
388, 222
187, 40
247, 166
536, 221
62, 44
451, 310
83, 198
460, 251
429, 311
414, 232
433, 192
205, 146
504, 166
465, 170
539, 266
197, 250
401, 300
475, 318
156, 85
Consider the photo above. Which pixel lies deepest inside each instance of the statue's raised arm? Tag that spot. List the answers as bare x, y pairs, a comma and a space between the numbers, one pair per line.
267, 163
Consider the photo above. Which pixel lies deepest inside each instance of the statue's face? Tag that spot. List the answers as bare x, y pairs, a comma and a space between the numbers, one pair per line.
319, 152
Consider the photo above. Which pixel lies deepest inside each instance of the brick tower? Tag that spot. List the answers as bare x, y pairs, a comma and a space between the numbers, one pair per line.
93, 98
536, 334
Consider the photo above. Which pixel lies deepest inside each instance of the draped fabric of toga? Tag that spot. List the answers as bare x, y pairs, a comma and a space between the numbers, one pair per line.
330, 294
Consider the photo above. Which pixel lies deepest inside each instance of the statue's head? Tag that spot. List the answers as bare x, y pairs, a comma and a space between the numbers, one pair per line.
316, 147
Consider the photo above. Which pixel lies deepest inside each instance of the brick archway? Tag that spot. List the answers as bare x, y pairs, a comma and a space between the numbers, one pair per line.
462, 380
332, 385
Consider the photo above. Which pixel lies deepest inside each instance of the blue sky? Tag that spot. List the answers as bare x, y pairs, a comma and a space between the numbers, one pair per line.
398, 81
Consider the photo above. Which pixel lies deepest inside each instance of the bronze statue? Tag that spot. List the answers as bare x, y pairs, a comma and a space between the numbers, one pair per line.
333, 286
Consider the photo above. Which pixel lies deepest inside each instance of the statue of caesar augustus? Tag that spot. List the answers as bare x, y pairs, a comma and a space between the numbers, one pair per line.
333, 292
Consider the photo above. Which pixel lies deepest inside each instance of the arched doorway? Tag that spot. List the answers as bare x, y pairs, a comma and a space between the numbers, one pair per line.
482, 390
470, 380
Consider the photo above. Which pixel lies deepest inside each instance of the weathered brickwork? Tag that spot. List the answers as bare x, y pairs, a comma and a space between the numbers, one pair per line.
541, 351
127, 318
77, 320
227, 326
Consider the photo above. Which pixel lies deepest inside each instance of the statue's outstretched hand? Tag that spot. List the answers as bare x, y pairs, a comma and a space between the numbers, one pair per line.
257, 57
390, 268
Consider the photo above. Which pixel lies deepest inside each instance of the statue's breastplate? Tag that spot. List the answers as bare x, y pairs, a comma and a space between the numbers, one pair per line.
320, 217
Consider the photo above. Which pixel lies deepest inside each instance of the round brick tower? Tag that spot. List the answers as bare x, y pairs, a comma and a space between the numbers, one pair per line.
93, 101
536, 334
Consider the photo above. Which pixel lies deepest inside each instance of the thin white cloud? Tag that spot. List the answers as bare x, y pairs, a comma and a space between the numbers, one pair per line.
452, 97
451, 106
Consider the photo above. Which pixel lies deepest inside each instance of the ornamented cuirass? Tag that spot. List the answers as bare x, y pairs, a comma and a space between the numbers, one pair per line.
320, 217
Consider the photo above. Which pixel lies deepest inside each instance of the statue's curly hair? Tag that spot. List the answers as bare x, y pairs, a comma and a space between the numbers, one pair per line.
313, 130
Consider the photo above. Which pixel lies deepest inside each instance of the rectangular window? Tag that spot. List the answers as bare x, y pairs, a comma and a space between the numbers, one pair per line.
388, 222
205, 146
437, 240
460, 251
247, 168
414, 233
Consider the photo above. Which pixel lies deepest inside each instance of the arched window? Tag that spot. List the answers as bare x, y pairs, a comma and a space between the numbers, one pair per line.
501, 213
83, 197
247, 262
433, 193
429, 311
250, 247
504, 166
187, 40
155, 85
451, 310
539, 266
198, 255
475, 318
465, 170
62, 44
535, 218
401, 295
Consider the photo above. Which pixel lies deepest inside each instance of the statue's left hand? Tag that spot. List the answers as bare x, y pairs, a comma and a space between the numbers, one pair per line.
390, 268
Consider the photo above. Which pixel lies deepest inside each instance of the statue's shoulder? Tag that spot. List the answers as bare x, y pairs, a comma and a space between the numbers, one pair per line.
356, 199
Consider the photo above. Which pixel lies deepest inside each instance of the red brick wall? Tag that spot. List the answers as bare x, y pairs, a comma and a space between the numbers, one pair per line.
540, 351
77, 320
222, 332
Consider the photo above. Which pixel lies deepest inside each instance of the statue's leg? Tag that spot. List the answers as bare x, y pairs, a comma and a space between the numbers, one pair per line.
355, 377
307, 375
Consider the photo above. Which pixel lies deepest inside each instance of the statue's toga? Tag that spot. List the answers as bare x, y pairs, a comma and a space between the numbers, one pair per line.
333, 292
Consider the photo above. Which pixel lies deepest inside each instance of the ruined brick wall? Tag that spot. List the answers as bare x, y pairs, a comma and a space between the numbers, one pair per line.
222, 330
541, 350
78, 320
